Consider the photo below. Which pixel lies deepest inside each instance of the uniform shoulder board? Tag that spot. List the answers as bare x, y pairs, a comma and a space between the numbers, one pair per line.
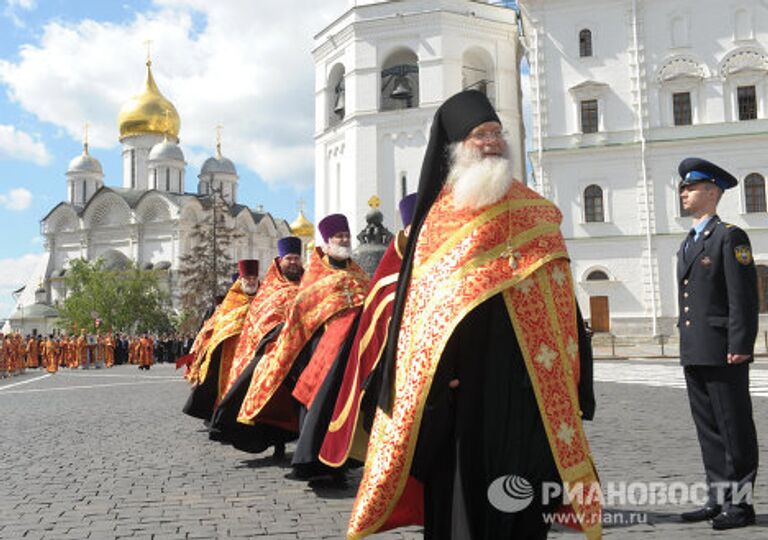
727, 225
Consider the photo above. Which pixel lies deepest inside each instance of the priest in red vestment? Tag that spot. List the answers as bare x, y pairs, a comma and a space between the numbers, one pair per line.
483, 390
265, 319
210, 376
350, 422
322, 316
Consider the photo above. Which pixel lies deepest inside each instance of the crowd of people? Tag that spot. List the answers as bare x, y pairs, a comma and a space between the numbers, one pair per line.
409, 371
463, 363
84, 351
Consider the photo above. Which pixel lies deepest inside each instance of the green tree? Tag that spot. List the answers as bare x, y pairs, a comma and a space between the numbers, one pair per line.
205, 269
124, 300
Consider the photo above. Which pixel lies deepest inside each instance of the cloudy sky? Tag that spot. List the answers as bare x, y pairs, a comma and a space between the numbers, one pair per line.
244, 64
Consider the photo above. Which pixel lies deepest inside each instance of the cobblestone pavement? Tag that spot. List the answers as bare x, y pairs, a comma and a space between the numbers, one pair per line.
108, 454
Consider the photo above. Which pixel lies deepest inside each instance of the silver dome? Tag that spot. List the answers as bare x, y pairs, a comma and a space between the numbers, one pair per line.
215, 165
166, 150
85, 163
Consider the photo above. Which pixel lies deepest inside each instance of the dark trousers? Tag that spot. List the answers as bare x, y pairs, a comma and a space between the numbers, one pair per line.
722, 411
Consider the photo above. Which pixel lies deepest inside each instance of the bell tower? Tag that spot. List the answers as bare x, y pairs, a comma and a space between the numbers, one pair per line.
381, 71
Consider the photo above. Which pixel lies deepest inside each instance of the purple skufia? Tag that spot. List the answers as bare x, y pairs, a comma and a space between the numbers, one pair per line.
407, 206
332, 224
289, 244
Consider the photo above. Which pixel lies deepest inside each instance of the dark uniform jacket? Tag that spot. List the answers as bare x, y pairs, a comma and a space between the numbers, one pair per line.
717, 295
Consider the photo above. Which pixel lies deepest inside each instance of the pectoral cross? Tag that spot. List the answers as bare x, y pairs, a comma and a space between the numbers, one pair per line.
349, 295
512, 255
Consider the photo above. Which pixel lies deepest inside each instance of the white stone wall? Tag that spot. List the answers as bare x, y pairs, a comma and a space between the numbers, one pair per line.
703, 47
369, 151
140, 145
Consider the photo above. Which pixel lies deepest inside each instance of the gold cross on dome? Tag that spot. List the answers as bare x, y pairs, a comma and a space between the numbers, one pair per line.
85, 137
219, 127
148, 44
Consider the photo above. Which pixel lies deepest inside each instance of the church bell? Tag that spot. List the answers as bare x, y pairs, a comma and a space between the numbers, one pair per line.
402, 89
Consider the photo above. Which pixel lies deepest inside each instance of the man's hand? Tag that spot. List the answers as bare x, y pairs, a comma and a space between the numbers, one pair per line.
454, 384
738, 358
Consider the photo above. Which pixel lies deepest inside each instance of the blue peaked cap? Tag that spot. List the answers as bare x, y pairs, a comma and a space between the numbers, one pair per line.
693, 170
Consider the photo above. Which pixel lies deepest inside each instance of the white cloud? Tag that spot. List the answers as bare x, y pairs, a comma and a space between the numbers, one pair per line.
16, 144
27, 5
12, 6
243, 64
16, 199
14, 273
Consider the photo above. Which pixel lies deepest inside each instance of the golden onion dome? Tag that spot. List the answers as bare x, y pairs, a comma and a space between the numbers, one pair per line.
149, 112
302, 226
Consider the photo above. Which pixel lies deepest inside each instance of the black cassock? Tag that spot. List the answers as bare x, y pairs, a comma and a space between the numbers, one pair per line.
490, 426
224, 425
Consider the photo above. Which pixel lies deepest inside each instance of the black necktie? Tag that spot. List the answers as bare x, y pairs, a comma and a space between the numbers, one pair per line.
688, 242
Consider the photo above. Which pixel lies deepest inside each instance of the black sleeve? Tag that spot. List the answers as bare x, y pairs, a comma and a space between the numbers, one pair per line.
586, 378
741, 283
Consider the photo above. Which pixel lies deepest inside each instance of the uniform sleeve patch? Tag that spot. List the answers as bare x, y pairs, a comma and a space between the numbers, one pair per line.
743, 254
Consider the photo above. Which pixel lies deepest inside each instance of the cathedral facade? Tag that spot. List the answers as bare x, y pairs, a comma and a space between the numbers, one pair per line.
148, 220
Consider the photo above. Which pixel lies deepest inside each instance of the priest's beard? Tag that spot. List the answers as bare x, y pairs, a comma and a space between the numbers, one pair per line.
249, 290
341, 253
293, 273
476, 180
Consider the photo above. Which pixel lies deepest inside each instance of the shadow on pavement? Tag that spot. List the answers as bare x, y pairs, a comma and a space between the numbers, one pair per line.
265, 462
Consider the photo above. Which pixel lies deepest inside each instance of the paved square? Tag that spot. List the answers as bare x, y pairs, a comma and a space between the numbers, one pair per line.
108, 454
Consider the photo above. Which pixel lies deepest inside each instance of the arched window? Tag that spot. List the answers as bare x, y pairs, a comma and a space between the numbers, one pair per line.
762, 287
754, 193
585, 43
336, 96
593, 204
597, 275
477, 72
133, 168
400, 81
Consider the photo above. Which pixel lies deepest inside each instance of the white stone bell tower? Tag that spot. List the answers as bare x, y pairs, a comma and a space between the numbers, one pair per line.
382, 69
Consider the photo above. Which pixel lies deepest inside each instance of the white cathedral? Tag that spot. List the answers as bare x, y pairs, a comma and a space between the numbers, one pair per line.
621, 91
148, 220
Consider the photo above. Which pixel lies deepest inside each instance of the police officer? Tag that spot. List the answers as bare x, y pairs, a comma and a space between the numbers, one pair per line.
717, 285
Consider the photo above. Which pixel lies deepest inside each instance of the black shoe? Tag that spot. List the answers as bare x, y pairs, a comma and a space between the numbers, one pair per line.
734, 518
702, 514
307, 472
279, 453
298, 475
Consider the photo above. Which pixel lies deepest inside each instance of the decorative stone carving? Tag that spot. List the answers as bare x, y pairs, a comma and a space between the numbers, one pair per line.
680, 67
744, 60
